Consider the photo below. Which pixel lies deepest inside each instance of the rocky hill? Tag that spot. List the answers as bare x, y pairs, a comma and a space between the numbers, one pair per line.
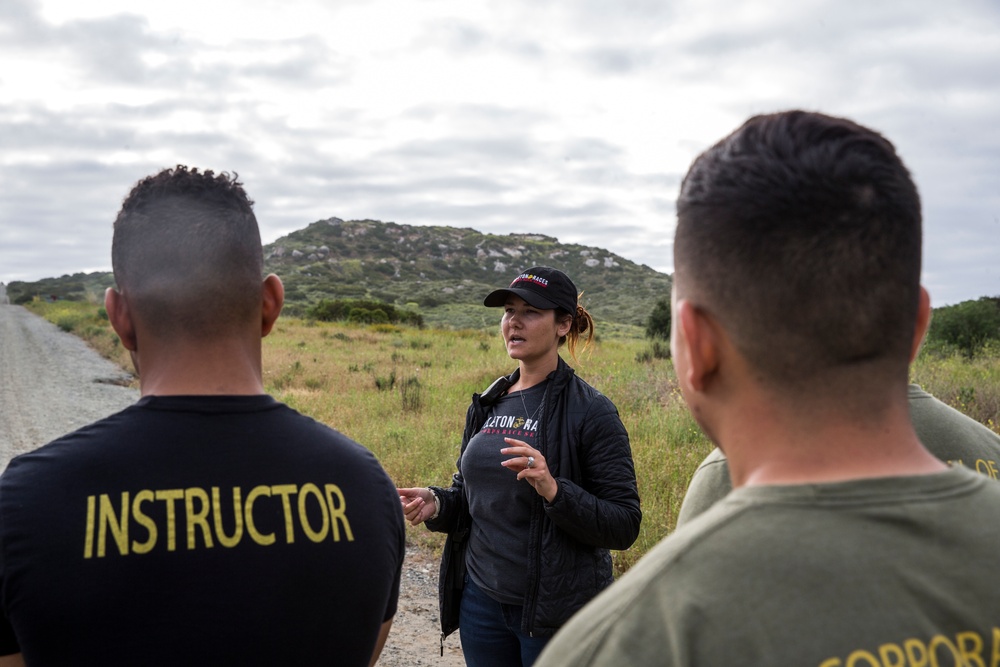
443, 273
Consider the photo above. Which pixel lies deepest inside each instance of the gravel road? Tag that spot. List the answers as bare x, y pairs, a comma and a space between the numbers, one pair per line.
51, 383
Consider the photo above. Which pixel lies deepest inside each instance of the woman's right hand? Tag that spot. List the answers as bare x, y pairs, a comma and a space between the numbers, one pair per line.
418, 504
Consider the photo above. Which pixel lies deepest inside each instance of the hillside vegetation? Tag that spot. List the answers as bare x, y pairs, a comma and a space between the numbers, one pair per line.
444, 272
441, 274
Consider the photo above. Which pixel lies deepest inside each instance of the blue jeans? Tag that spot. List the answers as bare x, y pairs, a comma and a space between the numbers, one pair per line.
491, 632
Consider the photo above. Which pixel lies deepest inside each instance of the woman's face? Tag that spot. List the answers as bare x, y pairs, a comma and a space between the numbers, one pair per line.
530, 333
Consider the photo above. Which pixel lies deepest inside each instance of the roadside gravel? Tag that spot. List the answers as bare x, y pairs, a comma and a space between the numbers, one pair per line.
51, 383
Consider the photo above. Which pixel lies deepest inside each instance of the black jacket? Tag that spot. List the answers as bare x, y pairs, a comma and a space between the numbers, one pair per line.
596, 508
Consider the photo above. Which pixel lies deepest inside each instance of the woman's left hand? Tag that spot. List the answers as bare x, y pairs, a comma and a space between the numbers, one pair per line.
529, 464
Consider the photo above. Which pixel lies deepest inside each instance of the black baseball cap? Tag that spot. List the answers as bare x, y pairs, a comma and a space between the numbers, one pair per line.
541, 286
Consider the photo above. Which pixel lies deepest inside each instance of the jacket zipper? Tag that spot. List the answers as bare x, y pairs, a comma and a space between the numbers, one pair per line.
533, 598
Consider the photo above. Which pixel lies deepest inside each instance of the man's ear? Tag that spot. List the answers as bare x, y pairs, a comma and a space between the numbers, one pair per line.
701, 345
120, 317
272, 300
923, 322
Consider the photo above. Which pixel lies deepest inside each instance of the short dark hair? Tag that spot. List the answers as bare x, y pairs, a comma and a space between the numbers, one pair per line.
801, 233
187, 250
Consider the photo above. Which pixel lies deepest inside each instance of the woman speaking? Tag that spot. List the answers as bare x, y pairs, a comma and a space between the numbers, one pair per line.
545, 486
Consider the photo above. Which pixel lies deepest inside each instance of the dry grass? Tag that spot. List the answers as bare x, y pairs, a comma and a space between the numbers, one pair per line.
357, 380
969, 385
403, 393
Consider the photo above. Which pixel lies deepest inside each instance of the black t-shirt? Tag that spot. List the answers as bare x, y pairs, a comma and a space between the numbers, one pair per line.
198, 530
499, 503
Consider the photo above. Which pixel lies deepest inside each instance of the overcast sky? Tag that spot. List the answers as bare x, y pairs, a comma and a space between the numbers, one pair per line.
575, 119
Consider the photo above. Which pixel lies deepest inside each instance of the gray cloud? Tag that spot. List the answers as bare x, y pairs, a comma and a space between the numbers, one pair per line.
478, 116
117, 49
923, 73
21, 24
618, 60
466, 148
463, 38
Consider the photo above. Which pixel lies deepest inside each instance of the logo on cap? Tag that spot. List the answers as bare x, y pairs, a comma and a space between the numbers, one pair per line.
531, 278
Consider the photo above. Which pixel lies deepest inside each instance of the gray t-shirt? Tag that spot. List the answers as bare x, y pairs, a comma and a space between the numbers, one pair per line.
499, 503
885, 571
946, 433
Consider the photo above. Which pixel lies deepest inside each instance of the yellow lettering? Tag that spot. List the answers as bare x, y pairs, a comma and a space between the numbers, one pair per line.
142, 519
892, 655
854, 659
171, 496
322, 511
916, 652
225, 540
304, 493
938, 641
337, 513
995, 658
970, 646
88, 540
251, 528
988, 468
285, 490
118, 525
197, 519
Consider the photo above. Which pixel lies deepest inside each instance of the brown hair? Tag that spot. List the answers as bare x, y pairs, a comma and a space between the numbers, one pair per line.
583, 323
802, 234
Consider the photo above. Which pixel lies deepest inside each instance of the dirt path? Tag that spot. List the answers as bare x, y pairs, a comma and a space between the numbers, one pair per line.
52, 383
416, 636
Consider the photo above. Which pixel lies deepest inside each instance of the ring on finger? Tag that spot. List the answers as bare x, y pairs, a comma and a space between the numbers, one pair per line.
531, 461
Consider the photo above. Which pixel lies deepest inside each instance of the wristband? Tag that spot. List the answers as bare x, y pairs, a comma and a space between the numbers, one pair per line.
437, 504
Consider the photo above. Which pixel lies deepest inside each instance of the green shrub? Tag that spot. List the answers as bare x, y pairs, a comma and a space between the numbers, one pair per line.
658, 350
359, 316
362, 311
966, 327
385, 383
411, 392
658, 324
67, 323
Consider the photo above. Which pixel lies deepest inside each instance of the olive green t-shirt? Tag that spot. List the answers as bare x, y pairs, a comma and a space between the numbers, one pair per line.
874, 572
947, 433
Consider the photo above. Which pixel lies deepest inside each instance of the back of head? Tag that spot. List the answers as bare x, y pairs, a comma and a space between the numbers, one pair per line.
187, 253
801, 234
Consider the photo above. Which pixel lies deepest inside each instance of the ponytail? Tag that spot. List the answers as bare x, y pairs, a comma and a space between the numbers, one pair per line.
583, 323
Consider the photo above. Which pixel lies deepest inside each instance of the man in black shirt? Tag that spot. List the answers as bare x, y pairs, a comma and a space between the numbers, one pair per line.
208, 523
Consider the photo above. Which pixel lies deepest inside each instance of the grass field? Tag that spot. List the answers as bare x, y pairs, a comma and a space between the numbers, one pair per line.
403, 393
